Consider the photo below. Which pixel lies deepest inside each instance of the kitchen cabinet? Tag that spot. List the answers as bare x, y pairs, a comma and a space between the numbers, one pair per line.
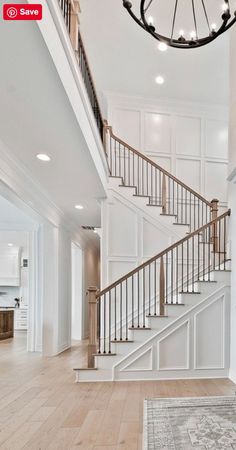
21, 319
10, 266
6, 323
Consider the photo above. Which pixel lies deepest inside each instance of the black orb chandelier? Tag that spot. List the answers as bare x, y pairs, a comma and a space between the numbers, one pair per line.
199, 12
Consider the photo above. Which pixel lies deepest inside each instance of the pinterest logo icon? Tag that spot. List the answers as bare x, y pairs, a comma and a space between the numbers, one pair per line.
22, 11
11, 12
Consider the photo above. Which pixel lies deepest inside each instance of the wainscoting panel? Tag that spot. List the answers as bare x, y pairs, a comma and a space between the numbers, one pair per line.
189, 170
157, 137
188, 136
169, 130
173, 349
194, 345
209, 335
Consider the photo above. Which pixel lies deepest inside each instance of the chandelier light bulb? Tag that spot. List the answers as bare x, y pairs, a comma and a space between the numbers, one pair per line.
225, 6
181, 32
193, 35
160, 80
213, 27
162, 47
150, 21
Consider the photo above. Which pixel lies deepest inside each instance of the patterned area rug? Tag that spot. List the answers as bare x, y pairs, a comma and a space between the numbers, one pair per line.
206, 423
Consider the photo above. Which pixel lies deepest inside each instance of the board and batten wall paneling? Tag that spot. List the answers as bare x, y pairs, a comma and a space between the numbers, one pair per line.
189, 140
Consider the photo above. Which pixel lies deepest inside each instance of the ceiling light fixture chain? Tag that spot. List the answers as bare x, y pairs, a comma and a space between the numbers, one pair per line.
197, 37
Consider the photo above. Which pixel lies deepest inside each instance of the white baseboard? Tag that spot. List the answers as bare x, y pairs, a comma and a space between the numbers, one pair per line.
232, 375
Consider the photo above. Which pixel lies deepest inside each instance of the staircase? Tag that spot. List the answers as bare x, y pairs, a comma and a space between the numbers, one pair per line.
169, 317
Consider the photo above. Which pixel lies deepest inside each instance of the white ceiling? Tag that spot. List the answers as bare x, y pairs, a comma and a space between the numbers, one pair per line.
36, 117
125, 59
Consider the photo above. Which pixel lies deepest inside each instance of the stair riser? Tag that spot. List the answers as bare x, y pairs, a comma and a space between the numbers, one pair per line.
93, 376
222, 277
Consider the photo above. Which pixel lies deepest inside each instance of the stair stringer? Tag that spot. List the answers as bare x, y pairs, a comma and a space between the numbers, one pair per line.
164, 234
185, 330
115, 185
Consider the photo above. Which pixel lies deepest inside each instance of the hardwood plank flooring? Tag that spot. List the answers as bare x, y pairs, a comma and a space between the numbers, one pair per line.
41, 407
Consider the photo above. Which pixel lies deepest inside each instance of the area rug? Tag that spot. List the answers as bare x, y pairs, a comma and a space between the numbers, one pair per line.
203, 423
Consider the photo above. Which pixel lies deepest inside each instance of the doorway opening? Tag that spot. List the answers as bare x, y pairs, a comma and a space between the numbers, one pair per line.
20, 314
77, 293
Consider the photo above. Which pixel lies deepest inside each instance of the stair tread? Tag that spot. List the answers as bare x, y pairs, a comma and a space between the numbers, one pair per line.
206, 281
104, 354
141, 195
175, 304
156, 315
185, 224
127, 185
185, 292
124, 341
169, 215
139, 328
85, 368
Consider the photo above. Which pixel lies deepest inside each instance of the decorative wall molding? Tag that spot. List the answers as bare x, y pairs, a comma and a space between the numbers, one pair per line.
173, 332
144, 361
220, 328
188, 139
181, 363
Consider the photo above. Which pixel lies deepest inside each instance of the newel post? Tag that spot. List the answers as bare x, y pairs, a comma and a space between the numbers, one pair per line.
163, 202
214, 215
162, 287
74, 25
105, 130
93, 321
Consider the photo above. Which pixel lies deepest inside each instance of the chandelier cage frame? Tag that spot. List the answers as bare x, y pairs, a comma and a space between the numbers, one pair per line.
228, 20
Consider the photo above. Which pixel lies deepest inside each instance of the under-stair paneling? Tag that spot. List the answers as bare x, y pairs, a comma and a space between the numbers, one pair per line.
118, 268
130, 234
181, 137
143, 362
121, 218
173, 349
194, 344
209, 335
154, 239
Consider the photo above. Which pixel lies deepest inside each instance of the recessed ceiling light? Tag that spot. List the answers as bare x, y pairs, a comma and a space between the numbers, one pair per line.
79, 207
162, 47
160, 80
10, 244
43, 157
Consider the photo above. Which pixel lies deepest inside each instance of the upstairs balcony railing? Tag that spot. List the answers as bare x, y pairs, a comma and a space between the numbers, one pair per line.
70, 10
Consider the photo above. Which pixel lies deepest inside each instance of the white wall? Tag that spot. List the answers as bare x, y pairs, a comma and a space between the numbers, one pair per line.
91, 263
232, 197
189, 140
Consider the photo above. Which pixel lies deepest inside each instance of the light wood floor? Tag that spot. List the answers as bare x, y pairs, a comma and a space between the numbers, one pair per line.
42, 408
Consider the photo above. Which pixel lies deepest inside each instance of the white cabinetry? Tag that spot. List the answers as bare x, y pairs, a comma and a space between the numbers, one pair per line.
21, 319
9, 266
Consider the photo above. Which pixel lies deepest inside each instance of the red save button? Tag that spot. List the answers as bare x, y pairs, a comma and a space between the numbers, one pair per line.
12, 11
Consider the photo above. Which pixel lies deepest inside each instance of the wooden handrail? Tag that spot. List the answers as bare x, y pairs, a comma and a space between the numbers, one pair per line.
90, 74
165, 172
161, 254
70, 10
